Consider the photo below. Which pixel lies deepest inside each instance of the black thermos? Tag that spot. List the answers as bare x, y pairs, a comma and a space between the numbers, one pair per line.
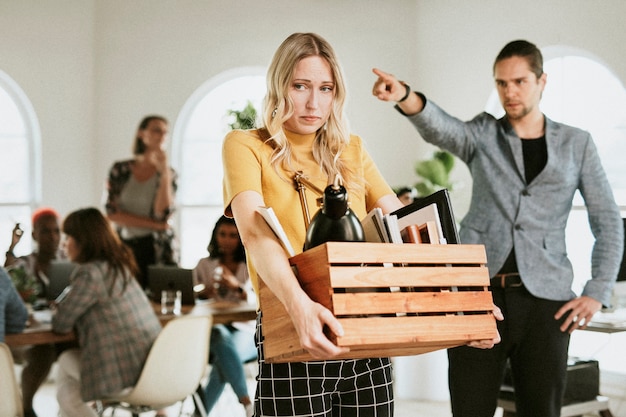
334, 221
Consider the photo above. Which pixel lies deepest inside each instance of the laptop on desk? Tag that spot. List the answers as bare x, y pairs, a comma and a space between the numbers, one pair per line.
59, 276
166, 277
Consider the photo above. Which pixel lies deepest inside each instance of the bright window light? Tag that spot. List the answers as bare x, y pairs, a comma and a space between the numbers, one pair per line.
197, 154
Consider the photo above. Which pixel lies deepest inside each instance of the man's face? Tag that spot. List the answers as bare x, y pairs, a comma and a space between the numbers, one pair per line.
518, 87
47, 234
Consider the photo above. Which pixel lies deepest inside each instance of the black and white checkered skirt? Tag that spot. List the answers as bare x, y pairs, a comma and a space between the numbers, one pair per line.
333, 388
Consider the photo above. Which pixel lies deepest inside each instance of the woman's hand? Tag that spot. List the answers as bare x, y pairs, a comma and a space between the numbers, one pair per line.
16, 235
310, 319
232, 283
158, 159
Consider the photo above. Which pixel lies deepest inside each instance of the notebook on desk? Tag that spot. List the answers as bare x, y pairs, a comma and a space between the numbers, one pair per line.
167, 277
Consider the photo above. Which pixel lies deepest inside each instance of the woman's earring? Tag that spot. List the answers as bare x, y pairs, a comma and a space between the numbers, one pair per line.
274, 112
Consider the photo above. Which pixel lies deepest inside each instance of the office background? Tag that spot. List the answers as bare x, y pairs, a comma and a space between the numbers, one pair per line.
93, 68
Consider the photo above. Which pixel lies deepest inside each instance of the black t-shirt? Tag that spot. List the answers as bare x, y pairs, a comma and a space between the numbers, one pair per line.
535, 158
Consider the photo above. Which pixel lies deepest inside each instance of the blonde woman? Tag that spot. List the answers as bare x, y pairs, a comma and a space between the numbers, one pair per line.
305, 131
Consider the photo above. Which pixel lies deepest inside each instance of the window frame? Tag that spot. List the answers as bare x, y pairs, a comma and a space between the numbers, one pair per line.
32, 136
177, 151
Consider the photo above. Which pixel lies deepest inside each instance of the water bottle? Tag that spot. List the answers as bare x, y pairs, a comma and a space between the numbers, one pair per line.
220, 289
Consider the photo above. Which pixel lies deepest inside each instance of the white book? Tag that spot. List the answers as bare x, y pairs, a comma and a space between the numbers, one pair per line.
391, 222
374, 226
271, 219
423, 216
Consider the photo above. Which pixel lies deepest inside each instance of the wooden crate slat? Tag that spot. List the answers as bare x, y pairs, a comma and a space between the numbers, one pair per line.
278, 320
392, 331
412, 302
358, 352
419, 276
371, 253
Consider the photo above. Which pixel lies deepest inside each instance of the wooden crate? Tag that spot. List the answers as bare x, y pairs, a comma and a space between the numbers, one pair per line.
391, 299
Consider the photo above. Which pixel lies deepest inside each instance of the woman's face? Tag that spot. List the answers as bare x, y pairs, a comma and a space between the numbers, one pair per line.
154, 135
70, 247
227, 238
312, 91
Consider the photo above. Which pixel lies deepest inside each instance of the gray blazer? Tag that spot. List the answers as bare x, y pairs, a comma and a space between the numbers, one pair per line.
506, 211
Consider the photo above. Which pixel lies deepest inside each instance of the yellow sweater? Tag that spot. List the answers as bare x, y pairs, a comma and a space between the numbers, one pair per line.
247, 167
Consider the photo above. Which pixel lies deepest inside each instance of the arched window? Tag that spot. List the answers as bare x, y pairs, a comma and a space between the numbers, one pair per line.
197, 153
582, 91
20, 162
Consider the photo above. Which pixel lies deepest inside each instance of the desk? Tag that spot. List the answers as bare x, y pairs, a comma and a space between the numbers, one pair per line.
608, 322
41, 333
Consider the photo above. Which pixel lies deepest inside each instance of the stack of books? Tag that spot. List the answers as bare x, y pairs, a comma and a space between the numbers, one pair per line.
428, 220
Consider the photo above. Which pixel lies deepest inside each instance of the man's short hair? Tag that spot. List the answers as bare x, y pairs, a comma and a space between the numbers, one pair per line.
42, 212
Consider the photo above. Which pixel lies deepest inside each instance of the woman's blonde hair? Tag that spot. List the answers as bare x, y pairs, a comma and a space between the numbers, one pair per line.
331, 139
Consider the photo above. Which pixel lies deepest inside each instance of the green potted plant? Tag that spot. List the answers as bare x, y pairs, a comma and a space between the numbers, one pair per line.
243, 119
26, 285
434, 173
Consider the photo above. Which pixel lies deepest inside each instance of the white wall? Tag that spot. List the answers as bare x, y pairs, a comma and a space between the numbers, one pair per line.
47, 48
156, 66
93, 68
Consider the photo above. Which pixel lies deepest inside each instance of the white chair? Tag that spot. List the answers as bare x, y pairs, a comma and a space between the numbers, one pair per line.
175, 365
10, 396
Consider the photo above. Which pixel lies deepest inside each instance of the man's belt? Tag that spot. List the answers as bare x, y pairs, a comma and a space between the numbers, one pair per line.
508, 280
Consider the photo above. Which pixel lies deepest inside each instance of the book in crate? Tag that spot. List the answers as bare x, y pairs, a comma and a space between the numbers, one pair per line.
391, 299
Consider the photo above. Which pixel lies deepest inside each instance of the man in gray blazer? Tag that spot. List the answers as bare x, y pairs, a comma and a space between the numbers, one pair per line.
525, 169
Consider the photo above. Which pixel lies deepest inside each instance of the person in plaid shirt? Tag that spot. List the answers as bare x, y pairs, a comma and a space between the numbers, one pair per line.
106, 306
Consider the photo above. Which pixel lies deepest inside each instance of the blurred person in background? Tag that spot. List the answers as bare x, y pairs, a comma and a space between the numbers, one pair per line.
224, 275
104, 304
37, 360
13, 313
141, 198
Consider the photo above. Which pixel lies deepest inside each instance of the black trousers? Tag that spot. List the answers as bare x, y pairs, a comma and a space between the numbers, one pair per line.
143, 249
536, 348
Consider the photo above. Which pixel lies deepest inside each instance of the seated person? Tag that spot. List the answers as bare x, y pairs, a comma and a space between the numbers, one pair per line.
406, 195
224, 275
13, 313
104, 299
37, 360
47, 235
